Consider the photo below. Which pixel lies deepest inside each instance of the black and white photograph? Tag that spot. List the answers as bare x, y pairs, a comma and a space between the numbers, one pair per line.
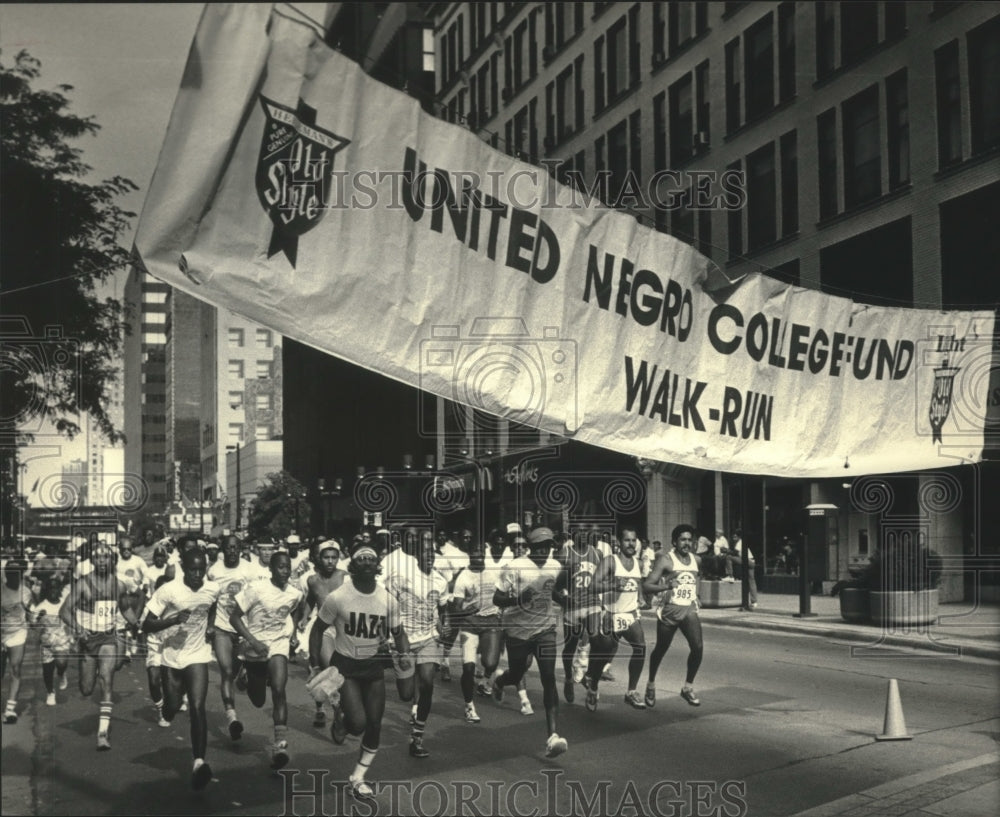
494, 408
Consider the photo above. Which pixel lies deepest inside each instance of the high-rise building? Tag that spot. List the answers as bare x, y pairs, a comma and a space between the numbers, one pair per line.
144, 385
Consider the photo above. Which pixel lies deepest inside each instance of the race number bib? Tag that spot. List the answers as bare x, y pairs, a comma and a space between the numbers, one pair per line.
683, 595
620, 622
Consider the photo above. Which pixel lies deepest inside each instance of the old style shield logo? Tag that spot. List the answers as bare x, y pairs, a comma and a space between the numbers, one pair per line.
294, 171
944, 378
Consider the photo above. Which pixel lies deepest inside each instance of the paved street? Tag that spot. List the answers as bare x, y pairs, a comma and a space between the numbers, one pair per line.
787, 725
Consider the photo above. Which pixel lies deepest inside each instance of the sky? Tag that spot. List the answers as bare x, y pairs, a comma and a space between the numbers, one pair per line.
124, 62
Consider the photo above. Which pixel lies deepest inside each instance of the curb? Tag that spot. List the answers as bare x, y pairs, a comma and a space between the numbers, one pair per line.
874, 639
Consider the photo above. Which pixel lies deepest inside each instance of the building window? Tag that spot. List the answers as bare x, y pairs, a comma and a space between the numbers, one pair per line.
235, 369
949, 104
705, 232
235, 400
702, 107
621, 71
789, 184
898, 122
826, 38
862, 155
683, 218
858, 29
428, 49
617, 158
569, 100
875, 267
681, 121
685, 22
787, 272
735, 219
235, 433
761, 198
263, 402
826, 128
263, 338
786, 51
562, 22
895, 20
235, 338
759, 74
262, 433
733, 74
659, 35
660, 132
984, 68
263, 369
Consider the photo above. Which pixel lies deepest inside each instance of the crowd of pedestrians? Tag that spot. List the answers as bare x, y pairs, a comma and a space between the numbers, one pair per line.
397, 601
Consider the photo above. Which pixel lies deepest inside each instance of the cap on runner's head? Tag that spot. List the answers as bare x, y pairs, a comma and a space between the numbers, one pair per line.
293, 539
541, 536
513, 527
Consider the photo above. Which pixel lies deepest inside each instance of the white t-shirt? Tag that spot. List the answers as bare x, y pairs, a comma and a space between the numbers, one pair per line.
419, 596
362, 620
397, 562
539, 613
268, 613
184, 644
231, 581
450, 560
477, 589
132, 573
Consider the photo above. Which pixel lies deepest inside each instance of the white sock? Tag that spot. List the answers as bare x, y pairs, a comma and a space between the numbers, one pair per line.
198, 763
364, 761
524, 695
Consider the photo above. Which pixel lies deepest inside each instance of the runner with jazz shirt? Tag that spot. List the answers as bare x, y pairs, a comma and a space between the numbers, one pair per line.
184, 612
232, 574
675, 574
265, 616
363, 612
621, 622
524, 593
422, 594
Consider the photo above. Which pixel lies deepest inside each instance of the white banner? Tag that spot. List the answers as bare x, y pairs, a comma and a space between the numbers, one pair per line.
296, 190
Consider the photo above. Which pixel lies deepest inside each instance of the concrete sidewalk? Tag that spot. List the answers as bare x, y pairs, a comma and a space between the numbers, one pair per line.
963, 629
969, 788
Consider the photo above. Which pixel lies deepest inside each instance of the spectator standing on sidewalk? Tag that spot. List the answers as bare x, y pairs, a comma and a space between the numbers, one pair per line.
736, 560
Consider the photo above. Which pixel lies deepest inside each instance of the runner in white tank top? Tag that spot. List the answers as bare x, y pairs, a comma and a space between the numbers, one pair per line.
675, 574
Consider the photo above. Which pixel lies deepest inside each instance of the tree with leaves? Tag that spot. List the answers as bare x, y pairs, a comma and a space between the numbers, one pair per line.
279, 505
59, 342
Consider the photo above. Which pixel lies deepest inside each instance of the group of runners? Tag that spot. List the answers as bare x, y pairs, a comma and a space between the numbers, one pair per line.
396, 601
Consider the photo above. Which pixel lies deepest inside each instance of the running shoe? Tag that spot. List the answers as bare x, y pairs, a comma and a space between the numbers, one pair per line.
632, 699
482, 689
688, 694
184, 704
593, 696
63, 682
417, 748
361, 790
201, 776
445, 672
555, 745
162, 722
607, 676
568, 693
241, 680
471, 716
319, 719
279, 757
497, 692
50, 699
526, 708
103, 742
338, 729
650, 697
235, 729
10, 716
578, 673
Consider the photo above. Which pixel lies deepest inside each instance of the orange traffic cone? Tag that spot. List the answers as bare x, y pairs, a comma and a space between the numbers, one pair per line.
894, 727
